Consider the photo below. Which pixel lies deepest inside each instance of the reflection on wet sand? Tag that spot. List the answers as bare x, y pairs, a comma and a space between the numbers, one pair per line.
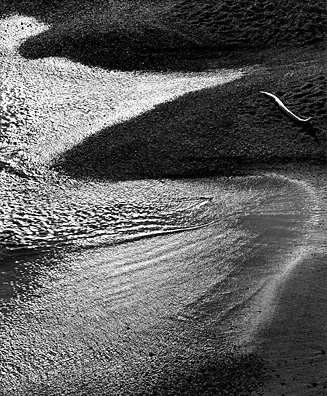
108, 314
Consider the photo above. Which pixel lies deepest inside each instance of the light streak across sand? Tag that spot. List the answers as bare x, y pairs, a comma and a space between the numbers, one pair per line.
285, 110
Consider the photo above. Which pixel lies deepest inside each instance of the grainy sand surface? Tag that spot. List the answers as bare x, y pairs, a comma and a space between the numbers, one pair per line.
293, 338
120, 90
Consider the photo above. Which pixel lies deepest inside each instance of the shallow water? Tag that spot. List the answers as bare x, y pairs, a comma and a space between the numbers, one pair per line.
149, 295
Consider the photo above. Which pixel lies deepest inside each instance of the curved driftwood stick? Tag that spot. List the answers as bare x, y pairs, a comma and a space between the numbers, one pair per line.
286, 111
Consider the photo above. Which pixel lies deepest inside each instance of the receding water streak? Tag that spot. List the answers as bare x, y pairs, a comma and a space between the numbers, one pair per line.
199, 281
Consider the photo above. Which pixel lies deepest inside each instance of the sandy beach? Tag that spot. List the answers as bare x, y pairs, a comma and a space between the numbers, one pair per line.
295, 342
293, 339
127, 102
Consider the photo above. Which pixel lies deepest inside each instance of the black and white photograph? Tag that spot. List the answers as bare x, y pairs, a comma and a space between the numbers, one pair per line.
163, 198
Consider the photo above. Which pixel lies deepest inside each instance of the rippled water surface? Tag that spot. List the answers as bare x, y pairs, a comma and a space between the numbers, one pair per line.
94, 214
161, 273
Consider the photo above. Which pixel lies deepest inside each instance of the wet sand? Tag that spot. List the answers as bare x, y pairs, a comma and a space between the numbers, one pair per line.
159, 328
294, 340
158, 315
227, 130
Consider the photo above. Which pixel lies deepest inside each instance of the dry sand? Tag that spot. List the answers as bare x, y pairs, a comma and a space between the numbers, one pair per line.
252, 135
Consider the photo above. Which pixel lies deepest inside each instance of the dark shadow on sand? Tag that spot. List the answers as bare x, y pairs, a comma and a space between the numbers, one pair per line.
89, 33
134, 35
93, 34
148, 48
146, 147
213, 131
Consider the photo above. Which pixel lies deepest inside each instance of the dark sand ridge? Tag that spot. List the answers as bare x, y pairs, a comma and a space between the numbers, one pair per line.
237, 110
299, 84
217, 130
166, 34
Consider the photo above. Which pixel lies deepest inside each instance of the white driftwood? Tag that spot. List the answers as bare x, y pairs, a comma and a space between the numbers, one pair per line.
285, 110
